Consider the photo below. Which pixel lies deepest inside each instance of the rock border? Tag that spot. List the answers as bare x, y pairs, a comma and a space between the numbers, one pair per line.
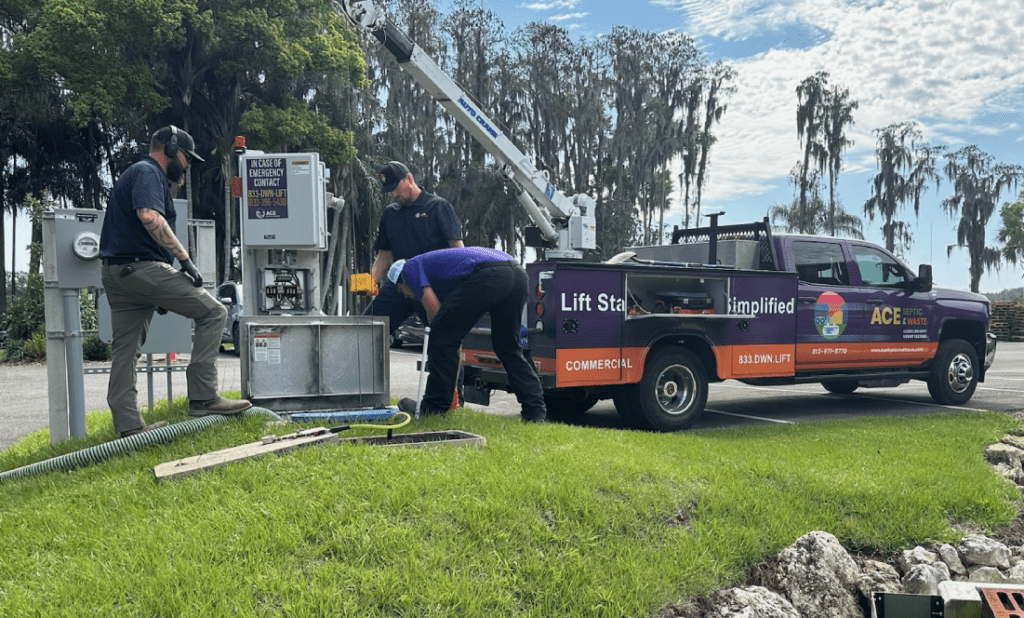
817, 577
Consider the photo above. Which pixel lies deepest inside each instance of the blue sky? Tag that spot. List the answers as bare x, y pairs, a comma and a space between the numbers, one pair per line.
954, 66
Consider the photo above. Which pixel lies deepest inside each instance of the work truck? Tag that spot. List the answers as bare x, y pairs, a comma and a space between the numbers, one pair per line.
652, 327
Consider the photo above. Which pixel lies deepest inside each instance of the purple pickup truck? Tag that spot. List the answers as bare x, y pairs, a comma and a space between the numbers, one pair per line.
652, 327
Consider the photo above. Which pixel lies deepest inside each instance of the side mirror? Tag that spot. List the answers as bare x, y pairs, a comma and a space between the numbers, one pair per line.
923, 282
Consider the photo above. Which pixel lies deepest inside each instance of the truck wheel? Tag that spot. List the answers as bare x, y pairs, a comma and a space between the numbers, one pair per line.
236, 339
561, 407
670, 396
953, 376
840, 387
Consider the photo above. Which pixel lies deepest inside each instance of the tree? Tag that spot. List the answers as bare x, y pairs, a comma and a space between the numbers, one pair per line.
718, 88
838, 113
905, 166
978, 182
134, 66
814, 216
1011, 232
809, 119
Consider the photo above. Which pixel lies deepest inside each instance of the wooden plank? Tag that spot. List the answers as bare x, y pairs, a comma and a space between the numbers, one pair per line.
188, 465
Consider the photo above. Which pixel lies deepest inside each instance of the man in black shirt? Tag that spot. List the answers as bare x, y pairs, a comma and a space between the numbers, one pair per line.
138, 246
415, 223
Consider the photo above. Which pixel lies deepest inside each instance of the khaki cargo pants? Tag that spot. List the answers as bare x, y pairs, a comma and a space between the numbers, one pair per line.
135, 291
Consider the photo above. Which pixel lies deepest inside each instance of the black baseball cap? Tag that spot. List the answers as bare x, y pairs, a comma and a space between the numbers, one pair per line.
392, 174
185, 141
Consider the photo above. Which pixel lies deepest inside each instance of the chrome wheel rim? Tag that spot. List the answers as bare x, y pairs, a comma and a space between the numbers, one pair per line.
676, 389
961, 373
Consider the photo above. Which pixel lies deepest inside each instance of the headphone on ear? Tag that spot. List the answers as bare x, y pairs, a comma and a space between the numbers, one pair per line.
171, 145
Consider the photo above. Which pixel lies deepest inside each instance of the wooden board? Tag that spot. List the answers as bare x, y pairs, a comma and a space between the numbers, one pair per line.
196, 463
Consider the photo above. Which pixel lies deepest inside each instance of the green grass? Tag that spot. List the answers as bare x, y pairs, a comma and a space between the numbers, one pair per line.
544, 520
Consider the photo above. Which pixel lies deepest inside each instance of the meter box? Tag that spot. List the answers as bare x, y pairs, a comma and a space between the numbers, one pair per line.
284, 201
77, 238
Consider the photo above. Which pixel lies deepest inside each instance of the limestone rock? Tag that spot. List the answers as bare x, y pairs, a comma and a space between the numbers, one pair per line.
818, 577
925, 578
979, 550
1014, 441
986, 575
950, 556
1016, 574
1004, 453
878, 577
753, 602
916, 556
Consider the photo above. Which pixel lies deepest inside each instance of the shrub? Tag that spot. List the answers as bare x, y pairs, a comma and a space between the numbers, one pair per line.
15, 351
35, 347
95, 350
25, 311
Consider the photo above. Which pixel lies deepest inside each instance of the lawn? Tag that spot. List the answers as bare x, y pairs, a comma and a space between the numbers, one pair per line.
543, 520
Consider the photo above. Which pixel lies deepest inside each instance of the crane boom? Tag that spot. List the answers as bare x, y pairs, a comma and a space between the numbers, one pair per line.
567, 225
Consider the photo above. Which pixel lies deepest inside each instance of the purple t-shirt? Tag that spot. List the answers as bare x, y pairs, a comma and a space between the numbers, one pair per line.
443, 270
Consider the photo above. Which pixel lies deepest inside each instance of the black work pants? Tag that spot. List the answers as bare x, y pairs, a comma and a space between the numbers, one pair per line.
500, 289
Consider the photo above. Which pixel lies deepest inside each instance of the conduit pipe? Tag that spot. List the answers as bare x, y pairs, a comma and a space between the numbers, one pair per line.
122, 446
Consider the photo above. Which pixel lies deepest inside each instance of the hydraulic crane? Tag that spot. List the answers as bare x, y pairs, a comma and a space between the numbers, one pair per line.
566, 225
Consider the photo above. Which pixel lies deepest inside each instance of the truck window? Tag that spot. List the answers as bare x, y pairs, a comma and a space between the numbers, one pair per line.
878, 268
821, 263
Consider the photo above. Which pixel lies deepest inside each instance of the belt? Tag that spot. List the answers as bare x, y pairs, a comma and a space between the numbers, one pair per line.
121, 261
495, 264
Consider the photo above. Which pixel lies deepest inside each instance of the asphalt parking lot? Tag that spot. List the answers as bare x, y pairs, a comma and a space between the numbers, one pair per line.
25, 405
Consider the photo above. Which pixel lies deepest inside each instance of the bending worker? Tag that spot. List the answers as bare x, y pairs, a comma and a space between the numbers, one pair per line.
456, 288
138, 246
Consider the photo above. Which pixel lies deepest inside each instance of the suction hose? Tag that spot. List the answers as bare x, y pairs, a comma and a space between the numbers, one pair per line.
123, 446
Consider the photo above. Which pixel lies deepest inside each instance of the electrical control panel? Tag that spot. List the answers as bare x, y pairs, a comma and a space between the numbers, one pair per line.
284, 201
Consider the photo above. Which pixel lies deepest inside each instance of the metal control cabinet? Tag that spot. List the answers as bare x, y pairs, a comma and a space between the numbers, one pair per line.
281, 195
304, 363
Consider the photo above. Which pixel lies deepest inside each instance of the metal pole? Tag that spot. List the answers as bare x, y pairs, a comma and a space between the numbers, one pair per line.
423, 368
170, 392
73, 356
149, 377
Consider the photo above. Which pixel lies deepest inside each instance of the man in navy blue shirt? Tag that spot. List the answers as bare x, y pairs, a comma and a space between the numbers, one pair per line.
138, 246
456, 288
416, 222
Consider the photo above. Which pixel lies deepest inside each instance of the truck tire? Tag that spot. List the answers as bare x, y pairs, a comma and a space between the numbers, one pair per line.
670, 396
954, 374
565, 408
840, 387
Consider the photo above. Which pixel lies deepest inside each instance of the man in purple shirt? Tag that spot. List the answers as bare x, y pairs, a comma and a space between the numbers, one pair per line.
457, 287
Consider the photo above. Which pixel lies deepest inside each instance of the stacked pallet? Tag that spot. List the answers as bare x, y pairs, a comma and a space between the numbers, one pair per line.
1008, 320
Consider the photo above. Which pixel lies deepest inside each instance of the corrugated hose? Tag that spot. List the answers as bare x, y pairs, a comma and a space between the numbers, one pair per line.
122, 446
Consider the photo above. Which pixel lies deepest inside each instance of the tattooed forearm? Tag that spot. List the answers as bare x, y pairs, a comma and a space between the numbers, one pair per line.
161, 232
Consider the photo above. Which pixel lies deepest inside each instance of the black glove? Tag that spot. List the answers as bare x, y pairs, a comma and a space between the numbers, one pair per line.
192, 272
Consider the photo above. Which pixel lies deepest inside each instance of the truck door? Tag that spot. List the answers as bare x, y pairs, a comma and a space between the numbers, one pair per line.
825, 302
896, 320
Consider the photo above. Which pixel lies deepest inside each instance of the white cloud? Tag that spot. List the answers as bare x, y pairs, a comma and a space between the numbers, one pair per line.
548, 6
945, 64
568, 16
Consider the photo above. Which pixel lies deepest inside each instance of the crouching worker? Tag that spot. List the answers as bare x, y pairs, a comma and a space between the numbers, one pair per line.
457, 287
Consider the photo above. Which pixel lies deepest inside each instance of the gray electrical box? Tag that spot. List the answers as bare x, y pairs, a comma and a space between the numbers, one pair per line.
294, 363
77, 239
284, 201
